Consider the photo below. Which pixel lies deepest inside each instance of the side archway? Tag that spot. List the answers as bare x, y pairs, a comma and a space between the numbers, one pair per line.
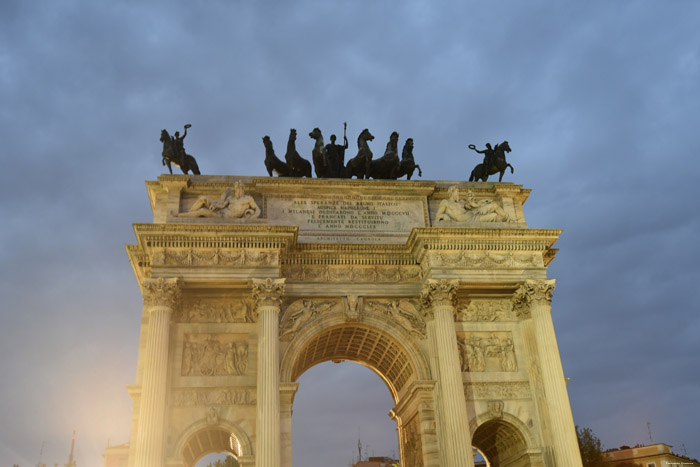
202, 438
504, 441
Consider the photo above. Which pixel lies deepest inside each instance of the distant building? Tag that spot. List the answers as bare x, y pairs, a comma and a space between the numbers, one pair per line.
654, 455
377, 462
116, 456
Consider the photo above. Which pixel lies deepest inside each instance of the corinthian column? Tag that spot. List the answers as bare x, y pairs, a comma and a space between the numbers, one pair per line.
533, 297
437, 299
267, 294
160, 297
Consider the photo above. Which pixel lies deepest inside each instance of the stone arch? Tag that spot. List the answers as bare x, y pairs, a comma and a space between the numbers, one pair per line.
201, 438
504, 440
375, 342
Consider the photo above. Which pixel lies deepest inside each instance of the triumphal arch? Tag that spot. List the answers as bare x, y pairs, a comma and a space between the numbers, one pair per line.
441, 288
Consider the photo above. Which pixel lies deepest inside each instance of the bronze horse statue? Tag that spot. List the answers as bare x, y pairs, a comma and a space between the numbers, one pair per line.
272, 162
318, 155
298, 166
358, 166
387, 166
174, 152
495, 164
408, 163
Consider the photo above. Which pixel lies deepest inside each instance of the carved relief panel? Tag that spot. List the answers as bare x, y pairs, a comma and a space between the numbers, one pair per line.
485, 310
487, 351
215, 355
217, 311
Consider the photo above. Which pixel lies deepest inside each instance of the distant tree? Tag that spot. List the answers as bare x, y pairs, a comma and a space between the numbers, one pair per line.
229, 462
591, 450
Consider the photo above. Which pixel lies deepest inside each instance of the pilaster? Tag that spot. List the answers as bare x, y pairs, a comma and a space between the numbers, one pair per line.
287, 392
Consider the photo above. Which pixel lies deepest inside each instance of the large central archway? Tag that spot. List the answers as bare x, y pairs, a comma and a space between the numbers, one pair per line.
377, 343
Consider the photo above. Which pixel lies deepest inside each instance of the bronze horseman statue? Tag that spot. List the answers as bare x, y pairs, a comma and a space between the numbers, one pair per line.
494, 162
174, 152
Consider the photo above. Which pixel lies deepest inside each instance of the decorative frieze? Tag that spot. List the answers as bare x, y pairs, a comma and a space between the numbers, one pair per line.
213, 257
302, 311
212, 397
161, 292
485, 310
403, 312
497, 391
532, 292
237, 310
486, 259
353, 273
214, 355
487, 351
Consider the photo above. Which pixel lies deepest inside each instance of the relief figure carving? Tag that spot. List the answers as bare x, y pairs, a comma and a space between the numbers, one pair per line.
487, 352
206, 355
300, 312
234, 206
353, 308
454, 209
403, 312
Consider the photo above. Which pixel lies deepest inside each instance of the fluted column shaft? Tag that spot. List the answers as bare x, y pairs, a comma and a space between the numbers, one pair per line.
160, 297
438, 304
534, 297
267, 294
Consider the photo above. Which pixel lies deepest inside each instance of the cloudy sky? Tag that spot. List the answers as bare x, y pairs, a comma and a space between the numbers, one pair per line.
598, 99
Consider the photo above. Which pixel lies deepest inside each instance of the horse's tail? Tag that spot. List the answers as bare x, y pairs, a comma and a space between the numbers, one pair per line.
193, 165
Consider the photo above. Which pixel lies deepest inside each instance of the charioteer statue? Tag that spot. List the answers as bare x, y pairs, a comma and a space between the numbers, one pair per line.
494, 162
335, 155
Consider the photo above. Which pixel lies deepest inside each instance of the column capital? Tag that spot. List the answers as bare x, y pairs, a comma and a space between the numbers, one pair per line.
438, 292
161, 292
268, 292
532, 292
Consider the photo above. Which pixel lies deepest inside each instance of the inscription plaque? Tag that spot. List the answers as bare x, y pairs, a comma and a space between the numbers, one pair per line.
350, 219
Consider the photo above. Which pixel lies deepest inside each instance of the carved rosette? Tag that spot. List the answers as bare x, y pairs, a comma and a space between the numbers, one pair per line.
267, 293
437, 293
161, 292
530, 293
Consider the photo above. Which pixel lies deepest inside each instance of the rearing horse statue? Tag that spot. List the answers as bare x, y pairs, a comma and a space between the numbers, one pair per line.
494, 163
174, 152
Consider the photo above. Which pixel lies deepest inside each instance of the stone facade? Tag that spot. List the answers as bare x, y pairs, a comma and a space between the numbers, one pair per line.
452, 313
